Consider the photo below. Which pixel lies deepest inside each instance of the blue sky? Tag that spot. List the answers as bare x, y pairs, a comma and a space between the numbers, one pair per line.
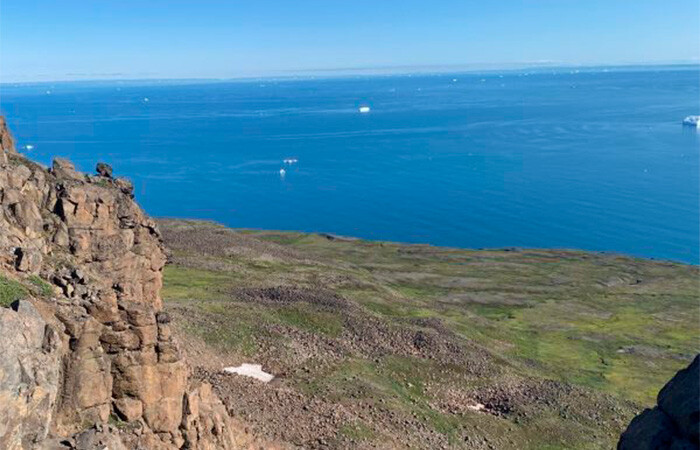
70, 39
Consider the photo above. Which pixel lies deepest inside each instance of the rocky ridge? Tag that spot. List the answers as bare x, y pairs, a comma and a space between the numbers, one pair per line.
88, 356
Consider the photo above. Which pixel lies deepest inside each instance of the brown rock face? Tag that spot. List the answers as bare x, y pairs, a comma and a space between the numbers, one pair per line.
101, 347
29, 376
675, 422
7, 144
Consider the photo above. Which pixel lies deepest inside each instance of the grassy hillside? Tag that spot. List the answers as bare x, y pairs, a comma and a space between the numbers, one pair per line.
386, 344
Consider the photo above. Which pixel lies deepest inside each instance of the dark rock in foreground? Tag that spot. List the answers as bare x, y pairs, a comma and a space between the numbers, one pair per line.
675, 422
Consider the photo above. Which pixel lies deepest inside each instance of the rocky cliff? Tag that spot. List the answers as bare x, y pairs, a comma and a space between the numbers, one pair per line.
674, 423
88, 357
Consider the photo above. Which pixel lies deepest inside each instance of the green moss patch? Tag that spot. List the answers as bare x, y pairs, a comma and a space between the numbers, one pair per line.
11, 291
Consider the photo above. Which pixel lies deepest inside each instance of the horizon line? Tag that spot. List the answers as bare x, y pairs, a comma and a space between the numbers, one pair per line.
395, 70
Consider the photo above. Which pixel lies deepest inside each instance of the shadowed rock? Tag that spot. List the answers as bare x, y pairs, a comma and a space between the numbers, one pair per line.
104, 170
675, 422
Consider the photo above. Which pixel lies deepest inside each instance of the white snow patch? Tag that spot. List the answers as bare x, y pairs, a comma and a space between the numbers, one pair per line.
251, 370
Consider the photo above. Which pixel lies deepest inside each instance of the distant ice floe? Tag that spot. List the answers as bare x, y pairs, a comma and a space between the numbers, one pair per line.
252, 371
692, 121
364, 109
290, 161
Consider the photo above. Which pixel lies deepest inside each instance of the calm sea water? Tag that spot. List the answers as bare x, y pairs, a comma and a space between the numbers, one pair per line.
593, 160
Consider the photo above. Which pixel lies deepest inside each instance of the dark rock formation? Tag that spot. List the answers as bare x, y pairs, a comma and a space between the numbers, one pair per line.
675, 422
104, 170
99, 348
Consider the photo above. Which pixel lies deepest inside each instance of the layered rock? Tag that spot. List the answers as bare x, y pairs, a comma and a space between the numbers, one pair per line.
674, 423
99, 348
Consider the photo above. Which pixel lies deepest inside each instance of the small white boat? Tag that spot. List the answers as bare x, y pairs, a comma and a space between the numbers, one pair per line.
692, 121
29, 147
364, 109
282, 172
146, 100
290, 161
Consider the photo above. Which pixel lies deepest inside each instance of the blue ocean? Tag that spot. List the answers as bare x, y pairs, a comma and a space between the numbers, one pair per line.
593, 159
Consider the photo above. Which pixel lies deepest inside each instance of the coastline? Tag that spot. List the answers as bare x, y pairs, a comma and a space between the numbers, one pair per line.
349, 238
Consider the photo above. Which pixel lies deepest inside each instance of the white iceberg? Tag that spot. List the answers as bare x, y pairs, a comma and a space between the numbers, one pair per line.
251, 370
692, 121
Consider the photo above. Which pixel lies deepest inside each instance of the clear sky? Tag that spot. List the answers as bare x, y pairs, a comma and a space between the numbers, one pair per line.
74, 39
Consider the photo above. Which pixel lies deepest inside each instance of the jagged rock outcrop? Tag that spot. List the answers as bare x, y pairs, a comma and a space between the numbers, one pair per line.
7, 144
95, 346
675, 421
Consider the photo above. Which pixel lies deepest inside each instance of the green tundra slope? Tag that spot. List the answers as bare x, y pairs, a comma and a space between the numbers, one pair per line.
391, 345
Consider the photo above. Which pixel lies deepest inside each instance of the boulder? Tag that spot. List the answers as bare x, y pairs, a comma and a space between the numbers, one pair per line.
651, 430
28, 260
62, 168
126, 186
680, 400
674, 422
104, 170
129, 408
